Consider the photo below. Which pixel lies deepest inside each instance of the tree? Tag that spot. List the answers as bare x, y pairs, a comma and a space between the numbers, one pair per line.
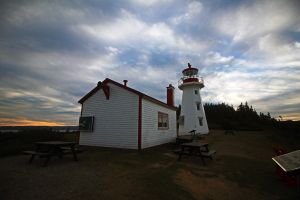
244, 117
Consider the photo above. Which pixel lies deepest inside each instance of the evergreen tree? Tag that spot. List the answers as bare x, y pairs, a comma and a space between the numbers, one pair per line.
244, 117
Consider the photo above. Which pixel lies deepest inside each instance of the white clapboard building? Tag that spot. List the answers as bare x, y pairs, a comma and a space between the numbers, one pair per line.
115, 115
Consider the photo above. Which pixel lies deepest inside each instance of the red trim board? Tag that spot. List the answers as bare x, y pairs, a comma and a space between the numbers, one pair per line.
140, 124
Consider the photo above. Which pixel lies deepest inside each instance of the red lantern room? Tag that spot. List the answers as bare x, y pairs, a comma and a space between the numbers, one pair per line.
190, 76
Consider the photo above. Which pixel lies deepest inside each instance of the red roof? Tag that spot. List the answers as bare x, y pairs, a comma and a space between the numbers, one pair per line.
107, 80
189, 68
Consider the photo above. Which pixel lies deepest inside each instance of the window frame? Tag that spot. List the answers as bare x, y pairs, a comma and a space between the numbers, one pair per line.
200, 119
162, 121
196, 92
86, 123
198, 106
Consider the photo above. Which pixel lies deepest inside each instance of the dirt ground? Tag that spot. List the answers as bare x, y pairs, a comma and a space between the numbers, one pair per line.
241, 169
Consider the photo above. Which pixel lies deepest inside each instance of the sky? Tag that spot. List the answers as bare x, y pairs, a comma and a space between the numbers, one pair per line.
54, 52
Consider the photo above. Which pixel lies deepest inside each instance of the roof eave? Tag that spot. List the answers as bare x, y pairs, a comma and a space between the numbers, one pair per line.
99, 86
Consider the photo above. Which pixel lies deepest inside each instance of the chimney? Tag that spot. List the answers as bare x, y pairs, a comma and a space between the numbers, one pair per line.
170, 95
125, 82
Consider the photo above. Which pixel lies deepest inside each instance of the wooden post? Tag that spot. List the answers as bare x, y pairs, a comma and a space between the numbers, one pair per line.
298, 184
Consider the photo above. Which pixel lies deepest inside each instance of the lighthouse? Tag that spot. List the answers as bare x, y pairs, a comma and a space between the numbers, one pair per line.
192, 115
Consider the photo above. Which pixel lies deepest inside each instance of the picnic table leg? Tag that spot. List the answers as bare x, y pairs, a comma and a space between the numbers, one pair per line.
74, 153
37, 149
200, 154
210, 157
191, 151
180, 153
47, 160
206, 148
51, 151
59, 152
203, 161
298, 184
31, 158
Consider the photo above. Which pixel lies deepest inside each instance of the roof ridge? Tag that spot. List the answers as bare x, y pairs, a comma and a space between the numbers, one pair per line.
106, 80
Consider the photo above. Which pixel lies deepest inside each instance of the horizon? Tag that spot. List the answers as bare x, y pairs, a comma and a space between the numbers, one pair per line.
53, 53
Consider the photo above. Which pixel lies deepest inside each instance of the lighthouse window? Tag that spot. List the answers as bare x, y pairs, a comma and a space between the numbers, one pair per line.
163, 120
200, 121
198, 106
196, 91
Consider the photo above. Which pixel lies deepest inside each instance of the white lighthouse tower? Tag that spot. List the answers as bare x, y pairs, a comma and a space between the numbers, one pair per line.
192, 115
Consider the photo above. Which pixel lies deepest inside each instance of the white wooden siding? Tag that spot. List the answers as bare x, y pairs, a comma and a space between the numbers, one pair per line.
116, 119
151, 135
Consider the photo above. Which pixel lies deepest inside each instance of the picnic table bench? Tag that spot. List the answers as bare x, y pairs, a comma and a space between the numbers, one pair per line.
52, 148
35, 153
198, 149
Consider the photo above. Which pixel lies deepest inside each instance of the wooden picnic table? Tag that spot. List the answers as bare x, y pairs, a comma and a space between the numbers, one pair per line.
290, 164
196, 148
52, 148
184, 139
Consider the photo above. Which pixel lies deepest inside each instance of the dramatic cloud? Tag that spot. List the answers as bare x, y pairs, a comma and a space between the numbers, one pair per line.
53, 52
258, 18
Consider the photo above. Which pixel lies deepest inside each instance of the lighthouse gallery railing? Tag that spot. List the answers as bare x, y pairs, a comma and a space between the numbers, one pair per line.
194, 78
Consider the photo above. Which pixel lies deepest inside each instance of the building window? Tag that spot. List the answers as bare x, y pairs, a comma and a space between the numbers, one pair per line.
196, 91
163, 121
200, 121
181, 120
198, 106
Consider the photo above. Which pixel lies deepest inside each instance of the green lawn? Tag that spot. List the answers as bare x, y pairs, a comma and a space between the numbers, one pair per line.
242, 169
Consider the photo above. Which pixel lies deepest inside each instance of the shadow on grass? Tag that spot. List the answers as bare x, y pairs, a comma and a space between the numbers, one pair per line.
251, 173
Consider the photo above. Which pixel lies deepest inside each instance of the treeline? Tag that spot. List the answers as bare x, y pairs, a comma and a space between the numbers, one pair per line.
244, 117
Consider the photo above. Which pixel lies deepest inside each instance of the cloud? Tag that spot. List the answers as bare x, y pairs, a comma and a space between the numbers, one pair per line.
129, 31
269, 90
213, 58
286, 103
192, 11
25, 122
274, 50
149, 2
257, 19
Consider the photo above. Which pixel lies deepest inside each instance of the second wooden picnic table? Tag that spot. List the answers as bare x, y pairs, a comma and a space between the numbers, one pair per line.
52, 148
196, 148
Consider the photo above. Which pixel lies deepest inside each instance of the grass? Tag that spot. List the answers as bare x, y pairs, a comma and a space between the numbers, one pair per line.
242, 169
